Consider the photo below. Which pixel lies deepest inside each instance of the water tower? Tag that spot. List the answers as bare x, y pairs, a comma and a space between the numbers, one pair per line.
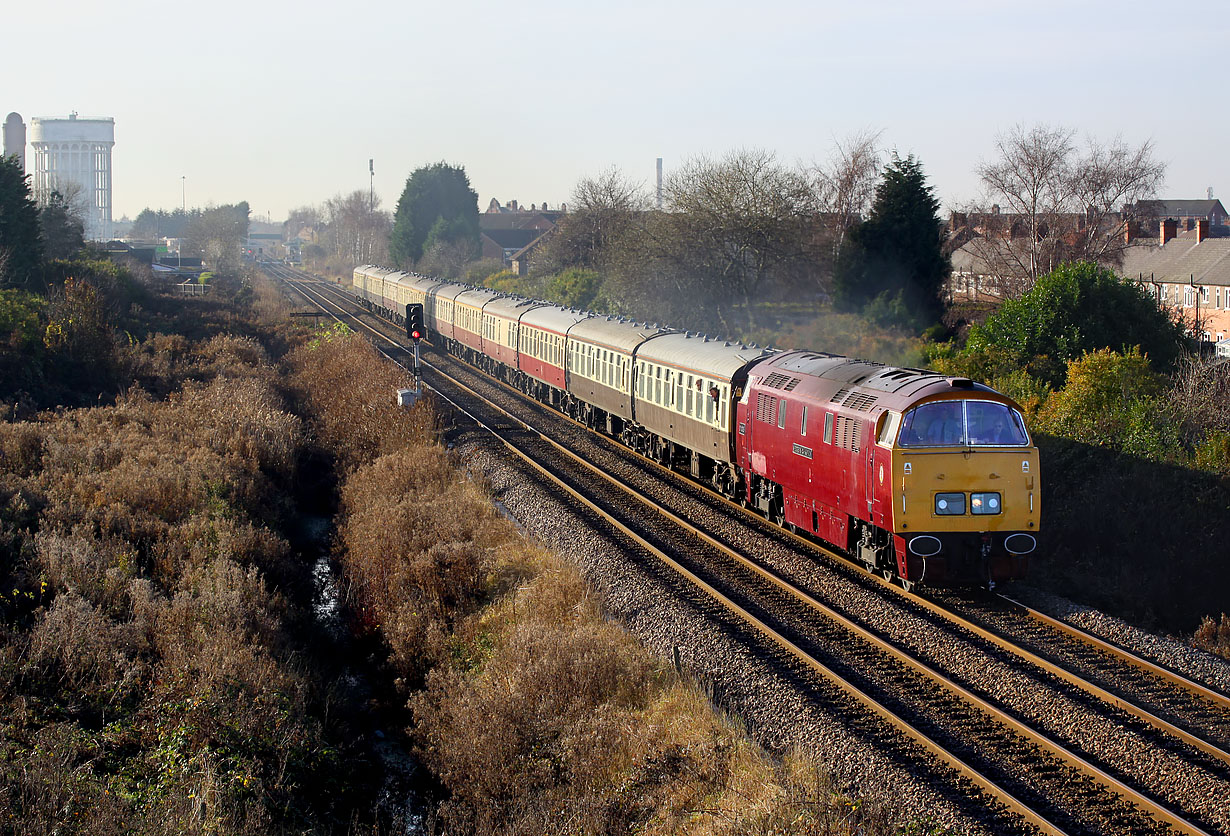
76, 152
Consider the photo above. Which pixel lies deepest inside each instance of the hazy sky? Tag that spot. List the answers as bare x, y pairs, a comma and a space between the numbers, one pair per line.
282, 105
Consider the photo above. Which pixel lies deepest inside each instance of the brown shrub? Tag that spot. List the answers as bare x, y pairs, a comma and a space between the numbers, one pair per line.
48, 786
76, 652
348, 388
1214, 636
416, 550
98, 569
21, 448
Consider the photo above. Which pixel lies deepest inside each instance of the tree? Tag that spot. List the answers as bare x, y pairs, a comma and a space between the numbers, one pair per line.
219, 235
1057, 204
63, 229
736, 231
847, 185
433, 193
1075, 309
357, 228
601, 211
21, 242
893, 262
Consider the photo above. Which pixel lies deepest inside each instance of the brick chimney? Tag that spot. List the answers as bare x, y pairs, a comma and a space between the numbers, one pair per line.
1170, 228
1130, 231
1202, 229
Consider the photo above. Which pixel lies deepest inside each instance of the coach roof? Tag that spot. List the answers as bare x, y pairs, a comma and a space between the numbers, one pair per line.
702, 355
553, 318
611, 332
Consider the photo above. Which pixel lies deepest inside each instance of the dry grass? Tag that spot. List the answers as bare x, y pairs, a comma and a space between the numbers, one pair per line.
150, 678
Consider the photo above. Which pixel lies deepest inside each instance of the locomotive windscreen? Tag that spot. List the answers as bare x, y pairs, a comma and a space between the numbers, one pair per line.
961, 423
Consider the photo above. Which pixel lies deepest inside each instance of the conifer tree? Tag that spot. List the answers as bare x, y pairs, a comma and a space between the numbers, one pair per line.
437, 206
892, 266
21, 241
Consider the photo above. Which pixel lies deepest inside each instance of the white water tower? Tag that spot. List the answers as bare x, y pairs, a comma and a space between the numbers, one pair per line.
77, 152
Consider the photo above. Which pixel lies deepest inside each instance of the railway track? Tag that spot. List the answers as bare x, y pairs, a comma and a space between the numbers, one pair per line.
1031, 769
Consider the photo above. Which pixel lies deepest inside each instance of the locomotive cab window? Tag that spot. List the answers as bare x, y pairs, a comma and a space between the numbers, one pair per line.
956, 423
887, 429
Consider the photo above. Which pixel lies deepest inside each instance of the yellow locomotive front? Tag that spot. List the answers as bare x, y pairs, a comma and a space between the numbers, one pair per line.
966, 503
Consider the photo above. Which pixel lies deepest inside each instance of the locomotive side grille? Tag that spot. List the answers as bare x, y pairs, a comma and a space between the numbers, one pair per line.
777, 380
846, 433
860, 401
766, 408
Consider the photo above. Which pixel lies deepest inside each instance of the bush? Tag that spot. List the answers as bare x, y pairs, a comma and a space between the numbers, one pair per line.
1112, 400
348, 390
1214, 636
1076, 309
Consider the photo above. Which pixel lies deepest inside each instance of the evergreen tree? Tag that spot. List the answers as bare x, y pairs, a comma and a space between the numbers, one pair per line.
437, 203
892, 267
63, 230
21, 242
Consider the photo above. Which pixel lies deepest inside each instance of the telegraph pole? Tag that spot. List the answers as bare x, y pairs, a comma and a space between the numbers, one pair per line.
371, 186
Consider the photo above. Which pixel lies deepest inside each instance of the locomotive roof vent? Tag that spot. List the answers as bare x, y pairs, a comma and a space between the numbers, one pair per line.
961, 383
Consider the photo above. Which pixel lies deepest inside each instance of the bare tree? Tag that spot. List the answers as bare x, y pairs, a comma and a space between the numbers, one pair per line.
1030, 179
735, 230
1050, 203
358, 230
303, 217
846, 185
1106, 180
603, 209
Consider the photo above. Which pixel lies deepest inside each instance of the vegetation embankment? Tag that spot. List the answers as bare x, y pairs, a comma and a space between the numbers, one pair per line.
1135, 438
161, 670
528, 706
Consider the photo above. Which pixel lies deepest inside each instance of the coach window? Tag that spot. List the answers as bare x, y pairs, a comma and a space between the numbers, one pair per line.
657, 398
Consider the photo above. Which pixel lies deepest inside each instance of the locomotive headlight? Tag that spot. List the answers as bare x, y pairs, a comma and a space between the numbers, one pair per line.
985, 503
950, 503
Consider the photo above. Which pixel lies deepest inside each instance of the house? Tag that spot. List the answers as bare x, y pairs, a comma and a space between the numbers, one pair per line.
503, 243
1185, 212
1188, 272
510, 233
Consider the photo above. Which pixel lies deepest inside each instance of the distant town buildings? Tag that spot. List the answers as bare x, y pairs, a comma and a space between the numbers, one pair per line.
511, 233
73, 157
1187, 268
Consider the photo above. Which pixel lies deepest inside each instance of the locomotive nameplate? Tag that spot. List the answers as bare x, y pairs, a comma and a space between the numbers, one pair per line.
800, 450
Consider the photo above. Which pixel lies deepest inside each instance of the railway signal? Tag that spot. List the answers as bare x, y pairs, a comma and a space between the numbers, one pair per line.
415, 331
414, 321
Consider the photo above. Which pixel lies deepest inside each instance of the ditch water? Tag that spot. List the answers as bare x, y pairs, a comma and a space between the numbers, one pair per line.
405, 788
